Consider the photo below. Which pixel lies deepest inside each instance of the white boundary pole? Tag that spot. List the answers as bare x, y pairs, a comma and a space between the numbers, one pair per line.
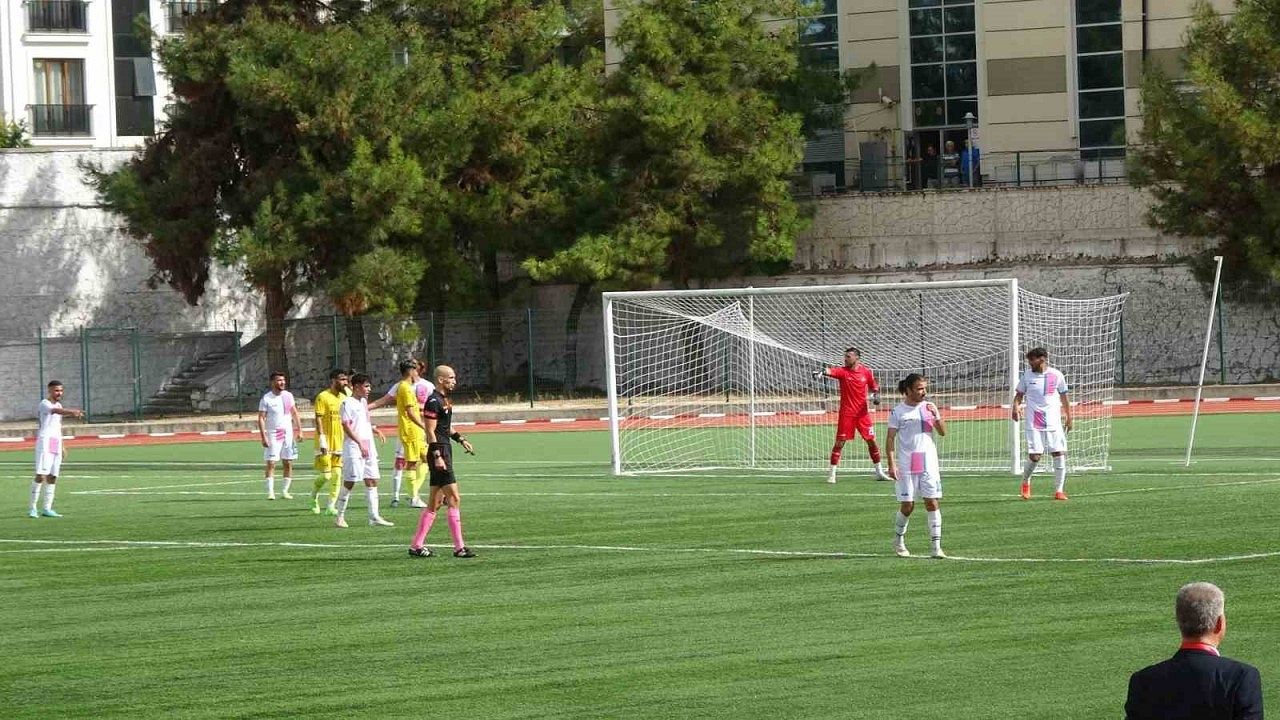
1204, 357
611, 381
751, 373
1015, 359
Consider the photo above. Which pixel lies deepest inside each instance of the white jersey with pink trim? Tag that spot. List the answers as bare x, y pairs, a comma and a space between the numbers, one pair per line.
355, 416
279, 414
421, 390
1043, 393
914, 446
50, 421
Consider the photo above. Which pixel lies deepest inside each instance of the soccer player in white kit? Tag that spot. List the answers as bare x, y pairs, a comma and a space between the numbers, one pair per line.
422, 389
1048, 419
49, 449
360, 455
280, 427
913, 460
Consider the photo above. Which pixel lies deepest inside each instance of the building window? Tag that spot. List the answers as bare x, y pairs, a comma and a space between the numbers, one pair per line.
181, 12
59, 109
57, 16
1100, 78
944, 62
820, 48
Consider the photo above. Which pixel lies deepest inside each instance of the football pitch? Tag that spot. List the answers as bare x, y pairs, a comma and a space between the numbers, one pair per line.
172, 588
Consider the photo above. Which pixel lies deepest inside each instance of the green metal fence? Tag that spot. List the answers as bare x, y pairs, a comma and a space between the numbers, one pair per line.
122, 373
525, 355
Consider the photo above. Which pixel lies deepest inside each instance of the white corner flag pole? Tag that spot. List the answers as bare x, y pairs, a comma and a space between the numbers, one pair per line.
1204, 357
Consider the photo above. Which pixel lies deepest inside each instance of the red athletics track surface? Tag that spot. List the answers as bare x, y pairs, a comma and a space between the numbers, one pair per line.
1122, 408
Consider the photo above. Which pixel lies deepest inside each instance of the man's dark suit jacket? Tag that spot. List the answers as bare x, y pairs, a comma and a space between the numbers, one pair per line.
1195, 685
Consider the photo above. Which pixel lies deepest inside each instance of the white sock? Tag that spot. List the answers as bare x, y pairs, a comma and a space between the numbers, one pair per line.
900, 525
35, 494
343, 496
371, 495
395, 484
1059, 473
288, 480
880, 467
48, 495
935, 526
1028, 467
271, 484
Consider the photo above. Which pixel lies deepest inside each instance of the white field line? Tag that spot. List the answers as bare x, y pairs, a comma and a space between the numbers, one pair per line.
1266, 479
176, 545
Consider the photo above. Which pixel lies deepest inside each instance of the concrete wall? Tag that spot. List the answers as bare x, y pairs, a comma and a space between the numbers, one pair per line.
68, 263
1090, 223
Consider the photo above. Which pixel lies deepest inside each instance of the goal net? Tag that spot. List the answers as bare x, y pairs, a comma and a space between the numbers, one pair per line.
707, 379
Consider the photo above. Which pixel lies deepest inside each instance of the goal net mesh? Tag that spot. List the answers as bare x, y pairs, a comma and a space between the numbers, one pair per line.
715, 380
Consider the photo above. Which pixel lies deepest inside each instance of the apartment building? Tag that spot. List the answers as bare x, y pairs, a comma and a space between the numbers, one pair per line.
80, 74
1050, 87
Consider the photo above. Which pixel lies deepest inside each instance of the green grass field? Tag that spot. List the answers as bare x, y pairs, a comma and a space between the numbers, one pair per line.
171, 588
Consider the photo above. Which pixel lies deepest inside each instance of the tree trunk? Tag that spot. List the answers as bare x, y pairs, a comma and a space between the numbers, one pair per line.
276, 305
493, 292
355, 343
580, 297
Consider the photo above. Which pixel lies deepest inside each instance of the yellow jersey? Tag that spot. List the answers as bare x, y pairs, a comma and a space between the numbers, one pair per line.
328, 419
407, 399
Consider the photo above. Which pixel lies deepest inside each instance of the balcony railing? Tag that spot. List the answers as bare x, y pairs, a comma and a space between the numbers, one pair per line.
1002, 169
181, 12
60, 120
69, 16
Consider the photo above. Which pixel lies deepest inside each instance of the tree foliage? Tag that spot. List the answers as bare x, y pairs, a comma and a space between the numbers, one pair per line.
1211, 153
700, 131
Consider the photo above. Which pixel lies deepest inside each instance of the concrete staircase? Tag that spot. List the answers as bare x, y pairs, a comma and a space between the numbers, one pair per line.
178, 393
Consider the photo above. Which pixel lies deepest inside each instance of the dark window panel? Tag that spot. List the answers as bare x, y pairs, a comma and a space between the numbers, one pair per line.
1102, 154
1101, 132
926, 50
1101, 71
926, 22
825, 57
135, 116
818, 30
962, 79
957, 108
1109, 103
929, 113
959, 19
1097, 11
961, 47
924, 3
957, 2
927, 82
1100, 38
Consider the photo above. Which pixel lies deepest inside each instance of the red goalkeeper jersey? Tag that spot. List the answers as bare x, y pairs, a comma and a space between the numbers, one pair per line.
854, 386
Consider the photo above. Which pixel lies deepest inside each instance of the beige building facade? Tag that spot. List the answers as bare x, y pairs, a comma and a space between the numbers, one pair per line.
1051, 86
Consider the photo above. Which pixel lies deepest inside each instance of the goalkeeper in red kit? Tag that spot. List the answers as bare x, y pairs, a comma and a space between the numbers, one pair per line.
856, 383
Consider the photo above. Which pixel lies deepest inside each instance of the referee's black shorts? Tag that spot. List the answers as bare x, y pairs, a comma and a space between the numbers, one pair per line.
440, 478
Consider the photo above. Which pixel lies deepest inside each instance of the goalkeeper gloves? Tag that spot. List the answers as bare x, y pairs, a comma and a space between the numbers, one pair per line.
875, 398
818, 373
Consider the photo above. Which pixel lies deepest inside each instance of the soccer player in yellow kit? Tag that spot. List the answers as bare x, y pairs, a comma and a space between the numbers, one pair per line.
329, 439
412, 430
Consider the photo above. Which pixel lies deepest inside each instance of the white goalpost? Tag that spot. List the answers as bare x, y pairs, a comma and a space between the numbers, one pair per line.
708, 379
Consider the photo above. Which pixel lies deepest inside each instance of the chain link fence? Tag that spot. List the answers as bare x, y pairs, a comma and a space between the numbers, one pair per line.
515, 355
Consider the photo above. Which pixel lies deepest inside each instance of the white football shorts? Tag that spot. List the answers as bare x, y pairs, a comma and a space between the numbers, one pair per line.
356, 469
280, 447
1040, 442
48, 456
918, 477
